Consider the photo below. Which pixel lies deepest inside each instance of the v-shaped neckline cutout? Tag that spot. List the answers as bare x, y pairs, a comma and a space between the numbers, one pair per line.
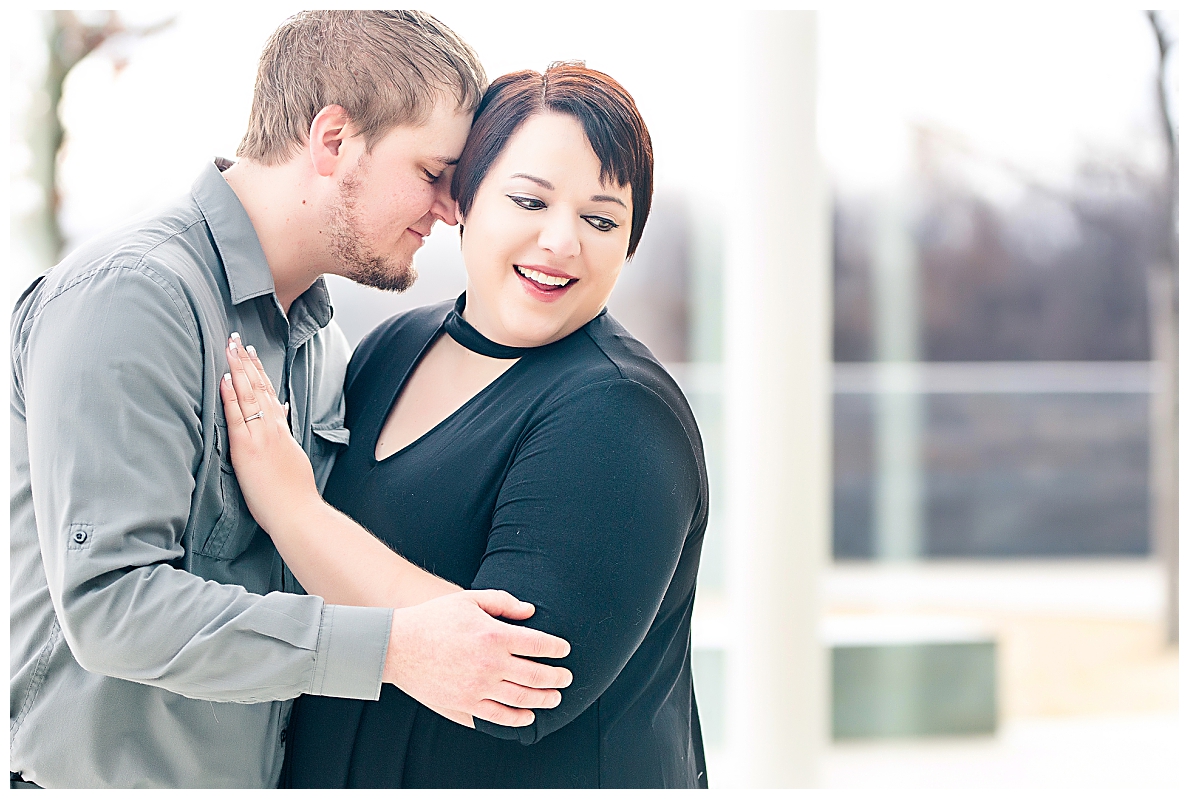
400, 387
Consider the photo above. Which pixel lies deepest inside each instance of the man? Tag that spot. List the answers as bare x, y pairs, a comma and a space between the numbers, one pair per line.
156, 636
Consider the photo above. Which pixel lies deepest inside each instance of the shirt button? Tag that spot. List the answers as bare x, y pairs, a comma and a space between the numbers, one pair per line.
284, 734
80, 537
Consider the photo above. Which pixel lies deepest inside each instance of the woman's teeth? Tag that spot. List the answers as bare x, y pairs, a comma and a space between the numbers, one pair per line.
542, 278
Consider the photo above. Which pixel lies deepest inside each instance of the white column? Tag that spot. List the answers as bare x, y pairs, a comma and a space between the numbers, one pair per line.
778, 387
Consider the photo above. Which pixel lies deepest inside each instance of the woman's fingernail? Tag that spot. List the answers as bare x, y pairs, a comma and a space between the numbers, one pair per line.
233, 345
235, 337
251, 350
227, 377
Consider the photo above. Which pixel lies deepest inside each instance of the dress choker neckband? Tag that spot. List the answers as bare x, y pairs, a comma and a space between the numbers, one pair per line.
461, 331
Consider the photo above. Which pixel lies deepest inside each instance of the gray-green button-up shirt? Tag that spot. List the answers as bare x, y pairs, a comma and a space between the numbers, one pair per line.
155, 636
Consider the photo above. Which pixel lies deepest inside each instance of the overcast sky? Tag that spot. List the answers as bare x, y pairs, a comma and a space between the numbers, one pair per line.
1041, 88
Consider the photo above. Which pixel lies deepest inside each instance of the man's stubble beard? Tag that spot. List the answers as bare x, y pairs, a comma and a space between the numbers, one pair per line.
359, 262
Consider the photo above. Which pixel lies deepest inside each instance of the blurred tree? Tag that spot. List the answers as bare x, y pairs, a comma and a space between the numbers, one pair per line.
71, 36
1164, 314
1049, 276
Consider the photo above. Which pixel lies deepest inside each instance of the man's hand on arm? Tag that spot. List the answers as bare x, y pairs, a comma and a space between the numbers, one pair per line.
453, 657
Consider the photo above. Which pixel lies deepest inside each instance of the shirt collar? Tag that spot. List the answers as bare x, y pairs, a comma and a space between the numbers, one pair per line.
243, 258
315, 302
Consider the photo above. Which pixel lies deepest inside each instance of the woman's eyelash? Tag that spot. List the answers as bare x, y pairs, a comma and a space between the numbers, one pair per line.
431, 176
601, 223
527, 203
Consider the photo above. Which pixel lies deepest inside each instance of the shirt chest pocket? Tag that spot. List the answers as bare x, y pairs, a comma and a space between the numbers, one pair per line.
234, 528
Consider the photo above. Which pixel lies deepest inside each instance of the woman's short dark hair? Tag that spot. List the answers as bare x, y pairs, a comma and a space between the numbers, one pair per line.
608, 114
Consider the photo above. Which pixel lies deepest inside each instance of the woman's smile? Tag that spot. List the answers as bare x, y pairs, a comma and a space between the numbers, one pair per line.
543, 283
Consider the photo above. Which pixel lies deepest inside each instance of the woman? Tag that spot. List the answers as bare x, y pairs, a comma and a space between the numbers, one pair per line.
520, 439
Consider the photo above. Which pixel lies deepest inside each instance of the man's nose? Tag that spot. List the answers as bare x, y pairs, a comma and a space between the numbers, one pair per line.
559, 235
444, 207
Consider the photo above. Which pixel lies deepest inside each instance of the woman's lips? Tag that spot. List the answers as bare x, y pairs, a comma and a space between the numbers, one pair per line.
544, 285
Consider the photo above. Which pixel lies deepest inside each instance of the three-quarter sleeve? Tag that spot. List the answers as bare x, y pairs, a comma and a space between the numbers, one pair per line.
589, 525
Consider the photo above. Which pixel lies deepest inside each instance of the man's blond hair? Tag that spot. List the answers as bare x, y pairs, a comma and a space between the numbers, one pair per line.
385, 68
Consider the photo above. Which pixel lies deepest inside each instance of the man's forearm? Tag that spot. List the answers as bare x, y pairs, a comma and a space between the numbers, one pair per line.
335, 558
108, 433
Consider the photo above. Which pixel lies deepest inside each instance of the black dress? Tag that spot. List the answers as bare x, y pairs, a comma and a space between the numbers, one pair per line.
575, 481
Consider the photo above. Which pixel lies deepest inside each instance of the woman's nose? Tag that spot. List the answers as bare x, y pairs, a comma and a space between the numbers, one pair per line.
559, 236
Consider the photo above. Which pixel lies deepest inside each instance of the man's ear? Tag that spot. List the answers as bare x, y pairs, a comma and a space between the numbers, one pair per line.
328, 131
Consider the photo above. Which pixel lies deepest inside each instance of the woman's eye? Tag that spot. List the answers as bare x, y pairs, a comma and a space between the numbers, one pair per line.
601, 223
527, 203
430, 176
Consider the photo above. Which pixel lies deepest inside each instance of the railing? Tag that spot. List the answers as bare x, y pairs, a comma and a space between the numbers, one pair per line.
966, 377
998, 377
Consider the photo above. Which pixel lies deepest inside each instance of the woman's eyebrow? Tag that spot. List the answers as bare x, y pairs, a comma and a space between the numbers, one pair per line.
444, 161
607, 198
539, 181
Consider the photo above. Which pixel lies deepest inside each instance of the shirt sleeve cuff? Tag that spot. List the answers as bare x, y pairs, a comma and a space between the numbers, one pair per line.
525, 735
352, 645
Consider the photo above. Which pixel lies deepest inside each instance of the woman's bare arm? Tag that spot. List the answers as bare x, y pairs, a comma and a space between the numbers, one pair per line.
329, 553
335, 558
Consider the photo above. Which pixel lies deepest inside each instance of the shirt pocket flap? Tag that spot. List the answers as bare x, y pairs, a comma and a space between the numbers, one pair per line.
329, 439
334, 432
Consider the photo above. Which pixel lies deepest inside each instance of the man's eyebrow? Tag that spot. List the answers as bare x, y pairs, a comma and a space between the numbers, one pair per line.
607, 198
539, 181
